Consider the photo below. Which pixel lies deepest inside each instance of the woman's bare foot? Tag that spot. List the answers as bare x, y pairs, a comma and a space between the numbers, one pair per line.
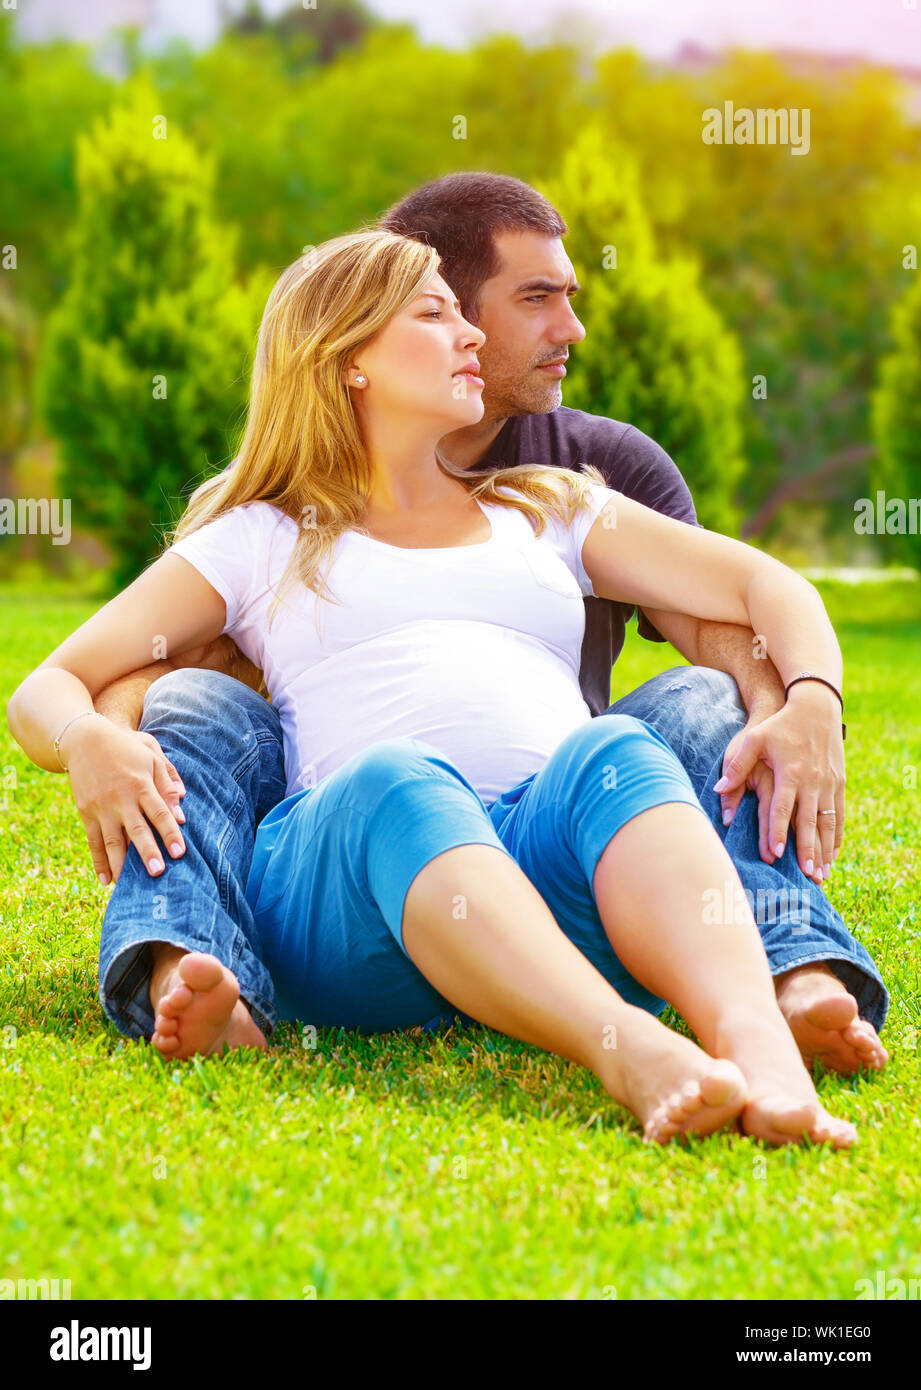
824, 1021
671, 1085
782, 1106
198, 1007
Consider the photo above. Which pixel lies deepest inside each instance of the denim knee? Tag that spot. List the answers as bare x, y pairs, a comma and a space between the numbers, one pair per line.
193, 690
714, 694
208, 720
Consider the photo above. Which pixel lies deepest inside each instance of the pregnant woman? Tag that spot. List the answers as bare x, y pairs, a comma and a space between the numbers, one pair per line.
458, 833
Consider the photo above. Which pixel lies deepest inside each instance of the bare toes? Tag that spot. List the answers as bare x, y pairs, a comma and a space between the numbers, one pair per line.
725, 1085
678, 1105
828, 1130
833, 1013
691, 1100
200, 971
178, 999
768, 1119
660, 1126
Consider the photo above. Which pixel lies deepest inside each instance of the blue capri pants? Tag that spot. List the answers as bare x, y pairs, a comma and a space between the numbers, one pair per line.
333, 863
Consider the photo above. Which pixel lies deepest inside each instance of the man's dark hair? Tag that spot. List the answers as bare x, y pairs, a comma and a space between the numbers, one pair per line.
459, 215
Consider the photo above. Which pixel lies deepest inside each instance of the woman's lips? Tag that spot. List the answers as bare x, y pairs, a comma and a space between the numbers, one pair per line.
469, 376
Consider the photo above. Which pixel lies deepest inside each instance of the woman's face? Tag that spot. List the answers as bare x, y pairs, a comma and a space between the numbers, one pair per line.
414, 365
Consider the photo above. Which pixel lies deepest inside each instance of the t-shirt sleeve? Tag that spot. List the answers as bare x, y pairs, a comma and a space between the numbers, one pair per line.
568, 540
581, 524
229, 553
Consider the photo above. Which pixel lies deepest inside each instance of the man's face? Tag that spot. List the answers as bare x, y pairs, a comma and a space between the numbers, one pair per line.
528, 321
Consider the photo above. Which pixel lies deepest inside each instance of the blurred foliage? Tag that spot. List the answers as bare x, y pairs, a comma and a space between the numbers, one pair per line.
801, 253
655, 351
146, 358
897, 415
792, 262
305, 35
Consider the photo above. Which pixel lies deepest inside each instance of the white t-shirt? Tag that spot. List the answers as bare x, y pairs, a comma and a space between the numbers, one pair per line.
474, 649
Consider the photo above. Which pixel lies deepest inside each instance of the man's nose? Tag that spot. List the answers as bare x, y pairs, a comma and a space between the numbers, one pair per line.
570, 330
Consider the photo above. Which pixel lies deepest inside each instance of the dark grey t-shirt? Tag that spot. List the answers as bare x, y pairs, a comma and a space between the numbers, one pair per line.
633, 464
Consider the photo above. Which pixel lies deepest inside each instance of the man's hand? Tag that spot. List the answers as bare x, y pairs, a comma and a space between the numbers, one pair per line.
794, 761
123, 783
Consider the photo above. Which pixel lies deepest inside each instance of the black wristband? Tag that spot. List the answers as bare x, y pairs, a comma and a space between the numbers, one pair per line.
808, 676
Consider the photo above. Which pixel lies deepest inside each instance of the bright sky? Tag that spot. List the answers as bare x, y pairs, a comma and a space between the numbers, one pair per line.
884, 29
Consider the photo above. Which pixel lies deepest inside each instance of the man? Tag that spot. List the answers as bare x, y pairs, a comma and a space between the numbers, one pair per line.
503, 256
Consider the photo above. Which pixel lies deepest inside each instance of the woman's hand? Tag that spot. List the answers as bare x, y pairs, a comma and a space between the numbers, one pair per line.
802, 754
123, 783
759, 780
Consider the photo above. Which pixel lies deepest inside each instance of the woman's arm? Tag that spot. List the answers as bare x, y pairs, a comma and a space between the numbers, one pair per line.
117, 778
123, 700
635, 554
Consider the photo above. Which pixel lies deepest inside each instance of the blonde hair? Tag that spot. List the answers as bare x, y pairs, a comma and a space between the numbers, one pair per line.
302, 449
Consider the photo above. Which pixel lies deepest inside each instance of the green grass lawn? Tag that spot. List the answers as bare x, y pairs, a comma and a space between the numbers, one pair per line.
460, 1166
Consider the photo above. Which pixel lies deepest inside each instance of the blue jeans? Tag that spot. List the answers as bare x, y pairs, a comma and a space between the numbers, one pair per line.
226, 742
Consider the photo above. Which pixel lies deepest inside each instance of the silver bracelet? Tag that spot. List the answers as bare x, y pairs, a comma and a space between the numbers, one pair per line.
57, 741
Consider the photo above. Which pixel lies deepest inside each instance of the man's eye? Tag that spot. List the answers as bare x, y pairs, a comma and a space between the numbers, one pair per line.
536, 298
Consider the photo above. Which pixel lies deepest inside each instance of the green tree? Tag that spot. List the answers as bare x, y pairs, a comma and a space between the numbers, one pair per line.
305, 35
801, 252
145, 363
897, 423
656, 353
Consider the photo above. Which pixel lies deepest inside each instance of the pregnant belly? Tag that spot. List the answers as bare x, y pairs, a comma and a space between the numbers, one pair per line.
496, 708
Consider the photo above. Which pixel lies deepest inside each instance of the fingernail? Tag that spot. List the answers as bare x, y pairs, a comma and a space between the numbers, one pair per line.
177, 783
809, 866
154, 865
827, 870
721, 785
778, 849
175, 848
103, 878
727, 817
180, 815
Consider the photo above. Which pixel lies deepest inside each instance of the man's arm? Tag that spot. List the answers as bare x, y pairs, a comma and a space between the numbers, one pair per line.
123, 701
642, 470
730, 648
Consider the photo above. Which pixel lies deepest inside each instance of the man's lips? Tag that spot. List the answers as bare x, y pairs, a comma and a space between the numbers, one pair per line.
554, 368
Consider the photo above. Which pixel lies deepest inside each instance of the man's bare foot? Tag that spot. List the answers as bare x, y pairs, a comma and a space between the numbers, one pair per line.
671, 1085
782, 1105
198, 1007
824, 1021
